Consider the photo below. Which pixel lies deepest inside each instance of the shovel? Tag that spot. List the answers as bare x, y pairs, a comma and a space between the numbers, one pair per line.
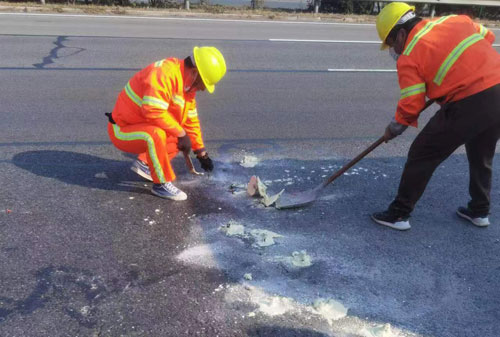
299, 199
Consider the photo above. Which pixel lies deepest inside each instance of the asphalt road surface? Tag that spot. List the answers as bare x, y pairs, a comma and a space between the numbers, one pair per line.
87, 251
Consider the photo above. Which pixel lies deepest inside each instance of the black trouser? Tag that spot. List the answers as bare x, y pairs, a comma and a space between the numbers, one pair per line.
473, 121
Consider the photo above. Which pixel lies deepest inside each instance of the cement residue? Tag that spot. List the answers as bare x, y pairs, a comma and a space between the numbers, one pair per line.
256, 187
330, 309
383, 330
202, 255
300, 259
264, 238
233, 228
249, 161
260, 237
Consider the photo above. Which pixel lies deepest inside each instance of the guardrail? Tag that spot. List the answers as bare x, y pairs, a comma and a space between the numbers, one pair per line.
451, 2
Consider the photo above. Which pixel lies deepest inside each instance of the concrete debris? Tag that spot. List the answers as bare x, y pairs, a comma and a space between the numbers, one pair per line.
249, 161
383, 330
330, 309
233, 228
260, 237
270, 200
257, 188
264, 238
301, 259
101, 175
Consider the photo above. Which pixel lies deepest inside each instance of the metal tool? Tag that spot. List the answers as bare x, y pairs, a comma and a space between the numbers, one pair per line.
299, 199
190, 165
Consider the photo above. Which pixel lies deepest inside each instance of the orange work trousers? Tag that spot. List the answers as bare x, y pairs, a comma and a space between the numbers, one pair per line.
152, 145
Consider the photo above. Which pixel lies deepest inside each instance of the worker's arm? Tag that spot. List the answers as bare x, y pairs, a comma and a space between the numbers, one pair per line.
193, 129
156, 100
412, 95
485, 32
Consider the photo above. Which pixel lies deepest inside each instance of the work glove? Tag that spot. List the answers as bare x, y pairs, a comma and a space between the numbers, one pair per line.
206, 163
184, 144
393, 130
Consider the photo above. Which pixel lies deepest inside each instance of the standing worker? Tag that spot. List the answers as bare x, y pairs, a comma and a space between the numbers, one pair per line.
155, 116
450, 60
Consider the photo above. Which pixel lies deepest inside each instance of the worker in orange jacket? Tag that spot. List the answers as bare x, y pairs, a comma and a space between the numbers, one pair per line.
155, 116
450, 60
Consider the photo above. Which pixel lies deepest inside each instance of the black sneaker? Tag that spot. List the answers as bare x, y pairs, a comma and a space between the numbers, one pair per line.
480, 220
391, 219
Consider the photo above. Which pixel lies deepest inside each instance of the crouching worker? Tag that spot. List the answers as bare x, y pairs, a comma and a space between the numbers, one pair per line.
155, 116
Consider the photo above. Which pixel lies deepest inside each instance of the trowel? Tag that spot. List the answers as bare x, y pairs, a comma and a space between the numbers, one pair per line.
299, 199
189, 164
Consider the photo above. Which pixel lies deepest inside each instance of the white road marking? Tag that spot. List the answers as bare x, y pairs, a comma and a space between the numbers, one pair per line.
335, 41
325, 41
363, 70
189, 19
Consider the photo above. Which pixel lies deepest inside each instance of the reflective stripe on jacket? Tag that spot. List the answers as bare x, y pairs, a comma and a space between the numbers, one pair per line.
155, 95
450, 57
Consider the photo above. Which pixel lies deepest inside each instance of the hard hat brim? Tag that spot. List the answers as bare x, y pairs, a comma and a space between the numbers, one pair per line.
210, 87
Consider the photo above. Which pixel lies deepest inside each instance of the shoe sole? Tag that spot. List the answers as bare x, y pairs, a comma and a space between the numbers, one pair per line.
141, 173
484, 222
175, 198
401, 225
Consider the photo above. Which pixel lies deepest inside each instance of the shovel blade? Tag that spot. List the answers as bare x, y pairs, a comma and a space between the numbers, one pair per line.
297, 199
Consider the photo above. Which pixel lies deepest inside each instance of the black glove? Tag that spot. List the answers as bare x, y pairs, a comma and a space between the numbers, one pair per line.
184, 144
393, 130
206, 163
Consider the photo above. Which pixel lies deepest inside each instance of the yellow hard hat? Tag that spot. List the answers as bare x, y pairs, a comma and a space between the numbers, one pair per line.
388, 17
211, 65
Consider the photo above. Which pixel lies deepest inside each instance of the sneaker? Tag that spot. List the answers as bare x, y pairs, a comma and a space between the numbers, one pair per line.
478, 220
168, 191
392, 220
142, 169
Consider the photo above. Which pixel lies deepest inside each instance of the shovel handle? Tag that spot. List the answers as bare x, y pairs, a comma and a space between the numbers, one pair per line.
354, 161
365, 152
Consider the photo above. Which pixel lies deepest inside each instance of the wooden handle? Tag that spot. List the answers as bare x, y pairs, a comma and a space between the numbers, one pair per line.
365, 152
354, 161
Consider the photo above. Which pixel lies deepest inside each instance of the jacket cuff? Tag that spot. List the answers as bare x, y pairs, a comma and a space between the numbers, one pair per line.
198, 151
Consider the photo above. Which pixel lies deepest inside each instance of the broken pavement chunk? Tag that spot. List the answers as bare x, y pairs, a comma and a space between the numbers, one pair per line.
233, 228
269, 200
256, 187
264, 238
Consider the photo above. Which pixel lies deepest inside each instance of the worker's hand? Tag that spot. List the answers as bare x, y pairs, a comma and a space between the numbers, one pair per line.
184, 144
393, 130
206, 162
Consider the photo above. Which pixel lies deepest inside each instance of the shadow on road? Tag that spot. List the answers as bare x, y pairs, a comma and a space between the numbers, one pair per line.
81, 169
267, 331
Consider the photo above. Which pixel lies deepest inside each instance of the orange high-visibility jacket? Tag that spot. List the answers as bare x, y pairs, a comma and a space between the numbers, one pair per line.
155, 95
450, 58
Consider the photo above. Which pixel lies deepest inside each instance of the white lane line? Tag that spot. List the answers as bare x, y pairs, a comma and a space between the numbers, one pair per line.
325, 41
126, 17
363, 70
335, 41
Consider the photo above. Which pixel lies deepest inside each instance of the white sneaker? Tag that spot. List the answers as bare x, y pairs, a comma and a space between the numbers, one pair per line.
480, 221
168, 191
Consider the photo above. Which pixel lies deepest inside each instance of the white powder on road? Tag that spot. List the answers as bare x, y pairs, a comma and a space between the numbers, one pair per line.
330, 309
383, 330
201, 255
